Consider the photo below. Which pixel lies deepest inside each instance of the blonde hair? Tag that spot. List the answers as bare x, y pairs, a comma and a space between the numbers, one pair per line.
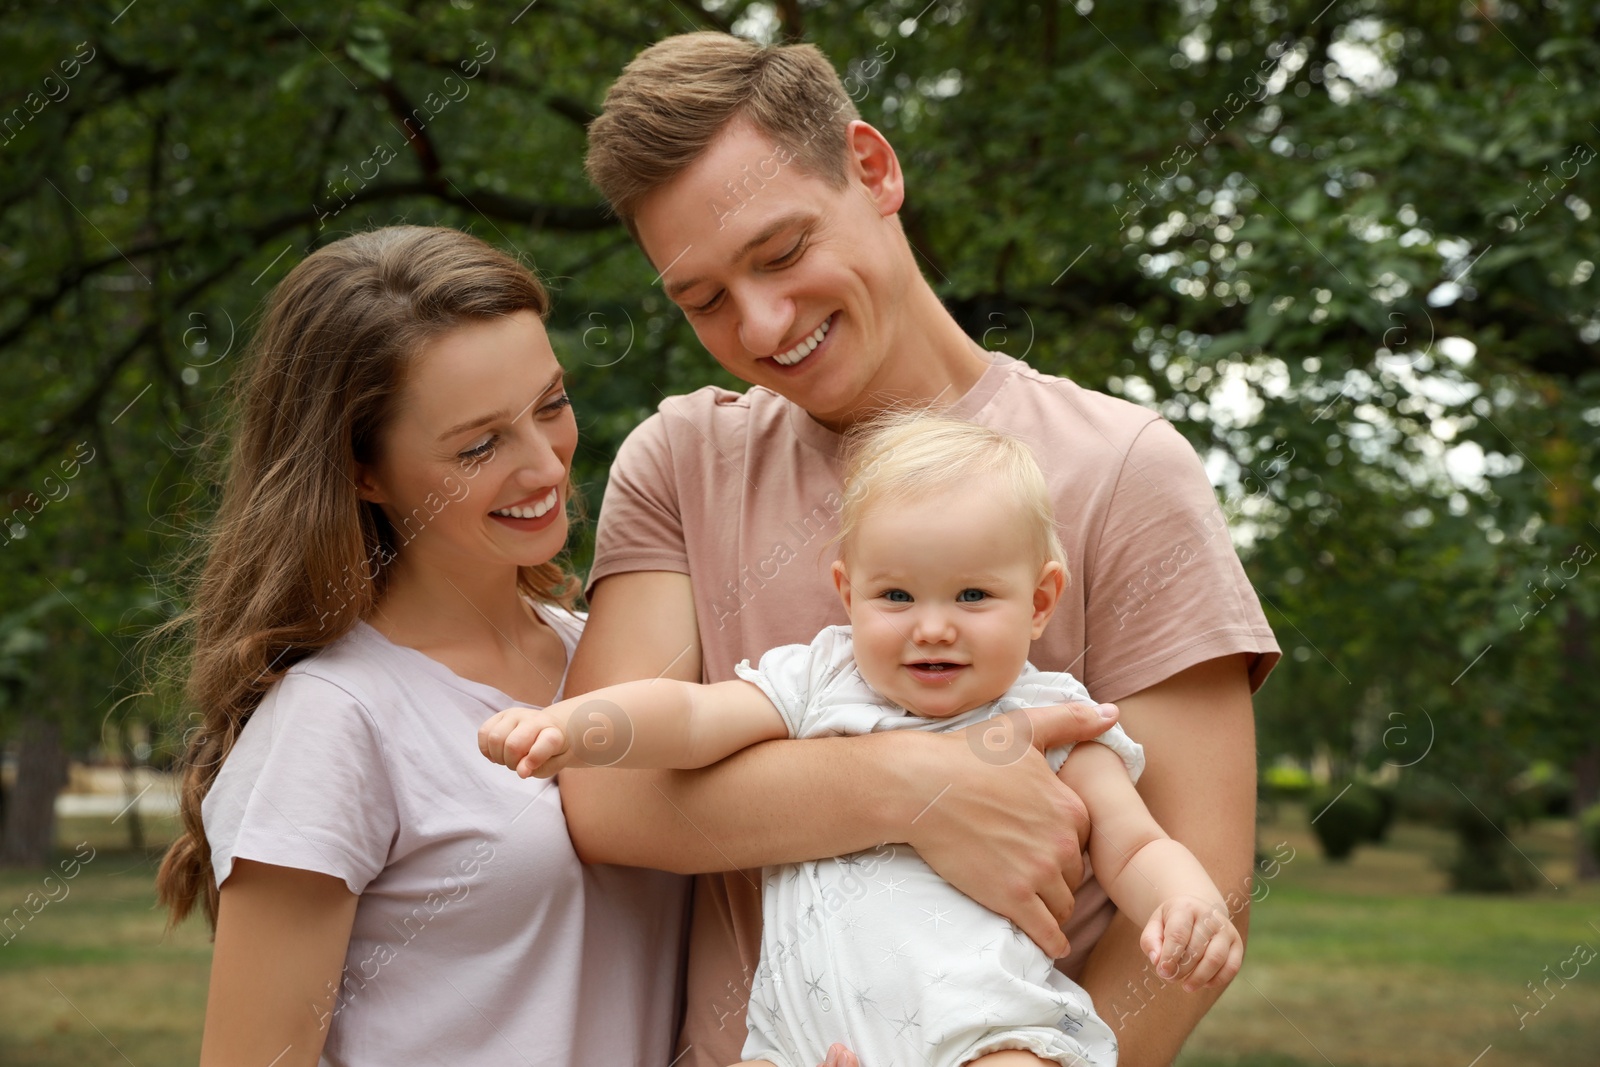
676, 96
294, 558
906, 455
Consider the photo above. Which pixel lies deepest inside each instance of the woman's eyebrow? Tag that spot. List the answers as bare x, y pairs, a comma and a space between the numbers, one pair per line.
493, 416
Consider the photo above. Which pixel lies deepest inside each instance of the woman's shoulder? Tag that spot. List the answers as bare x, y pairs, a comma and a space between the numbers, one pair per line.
562, 619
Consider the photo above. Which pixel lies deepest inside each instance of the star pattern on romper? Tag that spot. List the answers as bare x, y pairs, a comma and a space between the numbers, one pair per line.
897, 952
892, 886
906, 1022
814, 987
935, 916
979, 950
862, 1001
939, 977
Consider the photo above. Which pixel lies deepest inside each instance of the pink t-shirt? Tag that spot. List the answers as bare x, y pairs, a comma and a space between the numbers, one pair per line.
479, 937
742, 492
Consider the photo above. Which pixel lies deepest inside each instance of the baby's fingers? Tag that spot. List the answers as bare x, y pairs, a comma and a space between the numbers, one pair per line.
492, 735
1150, 938
549, 743
1208, 970
1175, 936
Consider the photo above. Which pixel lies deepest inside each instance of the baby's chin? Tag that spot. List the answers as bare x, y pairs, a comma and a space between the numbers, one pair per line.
949, 712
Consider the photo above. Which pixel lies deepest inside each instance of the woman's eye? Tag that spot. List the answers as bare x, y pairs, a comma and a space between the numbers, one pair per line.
555, 406
479, 451
897, 596
971, 596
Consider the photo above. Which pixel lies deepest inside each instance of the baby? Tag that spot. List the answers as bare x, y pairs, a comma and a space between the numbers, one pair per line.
949, 566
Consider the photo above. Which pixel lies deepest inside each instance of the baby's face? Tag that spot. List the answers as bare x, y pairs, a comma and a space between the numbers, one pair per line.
944, 597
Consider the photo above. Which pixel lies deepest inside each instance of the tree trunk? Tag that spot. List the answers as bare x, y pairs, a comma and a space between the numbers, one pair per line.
30, 819
1585, 793
1575, 655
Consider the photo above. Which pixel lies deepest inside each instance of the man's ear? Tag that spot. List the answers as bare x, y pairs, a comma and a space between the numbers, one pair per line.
367, 487
874, 164
841, 582
1047, 594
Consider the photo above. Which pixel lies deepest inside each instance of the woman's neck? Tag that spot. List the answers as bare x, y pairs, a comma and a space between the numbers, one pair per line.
431, 607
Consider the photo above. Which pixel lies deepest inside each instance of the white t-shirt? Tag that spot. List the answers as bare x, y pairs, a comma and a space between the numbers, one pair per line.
479, 937
820, 693
875, 949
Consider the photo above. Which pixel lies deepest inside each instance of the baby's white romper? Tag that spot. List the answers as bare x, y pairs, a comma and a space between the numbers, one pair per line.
877, 951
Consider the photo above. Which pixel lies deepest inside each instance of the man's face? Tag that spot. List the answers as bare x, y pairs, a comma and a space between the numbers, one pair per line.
788, 282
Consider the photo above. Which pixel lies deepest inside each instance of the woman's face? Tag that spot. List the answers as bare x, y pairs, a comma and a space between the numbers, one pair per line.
473, 464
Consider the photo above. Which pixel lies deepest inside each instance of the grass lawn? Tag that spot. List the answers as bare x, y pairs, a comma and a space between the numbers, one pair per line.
1364, 963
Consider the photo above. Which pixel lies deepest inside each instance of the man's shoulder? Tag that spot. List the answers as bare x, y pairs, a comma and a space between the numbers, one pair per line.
1060, 407
714, 409
708, 425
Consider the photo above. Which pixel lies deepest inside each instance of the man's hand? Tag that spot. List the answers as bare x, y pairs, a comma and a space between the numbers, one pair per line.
999, 825
1192, 939
528, 740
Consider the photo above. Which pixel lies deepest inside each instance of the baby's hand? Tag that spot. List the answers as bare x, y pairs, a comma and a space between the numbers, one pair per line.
528, 740
1193, 939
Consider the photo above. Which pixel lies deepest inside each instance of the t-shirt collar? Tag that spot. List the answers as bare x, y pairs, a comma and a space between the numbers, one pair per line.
830, 443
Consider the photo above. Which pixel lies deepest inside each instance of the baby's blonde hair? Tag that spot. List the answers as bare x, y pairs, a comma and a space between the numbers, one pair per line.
904, 455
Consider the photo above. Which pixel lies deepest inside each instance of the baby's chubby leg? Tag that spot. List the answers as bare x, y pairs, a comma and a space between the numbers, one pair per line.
1010, 1057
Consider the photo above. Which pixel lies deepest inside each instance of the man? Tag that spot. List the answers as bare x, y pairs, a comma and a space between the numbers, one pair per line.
769, 209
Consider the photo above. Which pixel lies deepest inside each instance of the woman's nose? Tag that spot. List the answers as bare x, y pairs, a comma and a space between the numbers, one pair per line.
538, 464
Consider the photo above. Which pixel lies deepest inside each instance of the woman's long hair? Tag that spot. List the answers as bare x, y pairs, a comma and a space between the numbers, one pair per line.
293, 557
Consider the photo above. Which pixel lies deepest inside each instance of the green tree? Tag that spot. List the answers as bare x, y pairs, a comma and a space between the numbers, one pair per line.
1348, 249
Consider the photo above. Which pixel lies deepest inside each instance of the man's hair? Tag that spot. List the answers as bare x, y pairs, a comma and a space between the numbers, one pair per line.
679, 94
911, 455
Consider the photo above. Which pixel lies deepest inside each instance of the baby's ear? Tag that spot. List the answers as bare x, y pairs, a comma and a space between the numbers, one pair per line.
1047, 594
841, 582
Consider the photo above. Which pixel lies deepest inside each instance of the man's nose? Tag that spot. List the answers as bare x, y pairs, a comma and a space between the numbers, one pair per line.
766, 321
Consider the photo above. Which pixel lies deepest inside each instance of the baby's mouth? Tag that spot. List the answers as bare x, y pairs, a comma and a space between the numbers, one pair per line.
935, 670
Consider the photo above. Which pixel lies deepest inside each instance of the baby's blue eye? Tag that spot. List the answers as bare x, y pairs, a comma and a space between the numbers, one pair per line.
970, 596
897, 596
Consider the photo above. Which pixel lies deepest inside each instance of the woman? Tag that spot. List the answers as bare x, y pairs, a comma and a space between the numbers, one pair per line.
379, 580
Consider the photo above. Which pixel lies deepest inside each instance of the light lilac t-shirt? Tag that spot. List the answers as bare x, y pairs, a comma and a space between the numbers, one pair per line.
479, 938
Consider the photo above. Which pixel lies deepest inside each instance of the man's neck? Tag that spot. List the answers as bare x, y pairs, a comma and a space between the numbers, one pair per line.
931, 362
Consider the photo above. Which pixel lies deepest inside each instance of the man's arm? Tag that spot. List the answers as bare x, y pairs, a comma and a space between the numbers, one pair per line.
1001, 830
1198, 733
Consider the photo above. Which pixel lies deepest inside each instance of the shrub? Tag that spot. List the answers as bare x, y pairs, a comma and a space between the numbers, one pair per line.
1344, 817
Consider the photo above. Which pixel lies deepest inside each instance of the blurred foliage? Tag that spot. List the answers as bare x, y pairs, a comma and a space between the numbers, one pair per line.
1348, 249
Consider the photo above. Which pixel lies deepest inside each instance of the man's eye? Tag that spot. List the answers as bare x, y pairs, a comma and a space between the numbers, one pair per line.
897, 596
708, 306
971, 596
789, 256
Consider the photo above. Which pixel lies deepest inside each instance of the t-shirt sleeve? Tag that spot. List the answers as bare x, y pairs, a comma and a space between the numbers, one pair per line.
641, 524
1043, 688
1166, 590
305, 786
785, 677
799, 678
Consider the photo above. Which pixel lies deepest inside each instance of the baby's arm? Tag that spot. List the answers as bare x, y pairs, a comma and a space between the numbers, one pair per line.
663, 723
1151, 878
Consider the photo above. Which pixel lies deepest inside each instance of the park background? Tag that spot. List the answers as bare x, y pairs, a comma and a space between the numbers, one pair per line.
1347, 248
